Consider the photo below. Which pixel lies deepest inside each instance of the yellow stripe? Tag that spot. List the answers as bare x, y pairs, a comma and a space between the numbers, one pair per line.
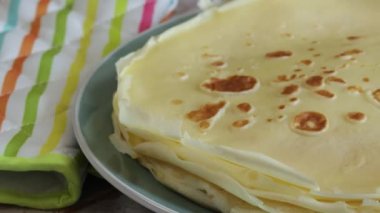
61, 111
114, 34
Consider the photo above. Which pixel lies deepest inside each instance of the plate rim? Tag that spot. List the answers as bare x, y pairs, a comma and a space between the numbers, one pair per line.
90, 156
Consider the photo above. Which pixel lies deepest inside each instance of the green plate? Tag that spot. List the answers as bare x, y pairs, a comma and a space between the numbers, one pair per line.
93, 125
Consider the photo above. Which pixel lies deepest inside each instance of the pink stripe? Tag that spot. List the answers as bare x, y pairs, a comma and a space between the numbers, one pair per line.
147, 16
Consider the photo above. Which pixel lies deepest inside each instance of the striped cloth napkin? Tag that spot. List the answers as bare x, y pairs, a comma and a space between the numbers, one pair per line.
47, 48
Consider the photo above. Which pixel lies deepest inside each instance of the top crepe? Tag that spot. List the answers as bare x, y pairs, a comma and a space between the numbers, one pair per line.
288, 89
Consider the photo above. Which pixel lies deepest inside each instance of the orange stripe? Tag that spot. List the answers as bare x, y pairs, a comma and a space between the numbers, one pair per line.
26, 48
168, 16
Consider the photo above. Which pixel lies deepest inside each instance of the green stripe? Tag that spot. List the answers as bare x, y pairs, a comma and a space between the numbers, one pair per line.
114, 36
34, 95
61, 111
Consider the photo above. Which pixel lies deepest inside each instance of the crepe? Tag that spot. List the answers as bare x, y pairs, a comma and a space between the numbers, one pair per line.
267, 105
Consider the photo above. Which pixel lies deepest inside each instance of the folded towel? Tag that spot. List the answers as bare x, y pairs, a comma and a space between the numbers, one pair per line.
47, 48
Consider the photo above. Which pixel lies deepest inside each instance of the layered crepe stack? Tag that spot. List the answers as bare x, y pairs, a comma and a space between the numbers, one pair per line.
260, 105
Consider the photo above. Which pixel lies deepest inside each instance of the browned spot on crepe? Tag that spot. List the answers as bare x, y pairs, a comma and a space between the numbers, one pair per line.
235, 83
310, 121
206, 111
279, 54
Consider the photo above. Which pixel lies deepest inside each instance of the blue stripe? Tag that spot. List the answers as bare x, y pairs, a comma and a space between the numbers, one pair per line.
170, 5
11, 19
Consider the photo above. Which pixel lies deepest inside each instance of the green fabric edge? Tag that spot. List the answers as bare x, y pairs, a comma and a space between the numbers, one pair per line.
70, 167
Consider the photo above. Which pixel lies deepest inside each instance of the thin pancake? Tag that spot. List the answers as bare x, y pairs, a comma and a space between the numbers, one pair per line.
285, 89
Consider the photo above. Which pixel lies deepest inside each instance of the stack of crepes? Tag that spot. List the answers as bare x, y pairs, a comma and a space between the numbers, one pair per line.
260, 105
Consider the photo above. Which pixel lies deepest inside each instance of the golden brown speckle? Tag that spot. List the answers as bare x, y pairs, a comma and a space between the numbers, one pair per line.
290, 89
317, 55
329, 72
356, 117
284, 78
244, 107
335, 79
218, 63
325, 93
314, 81
281, 107
240, 123
351, 38
376, 95
235, 83
204, 125
306, 62
310, 122
281, 78
351, 52
206, 111
366, 79
279, 54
